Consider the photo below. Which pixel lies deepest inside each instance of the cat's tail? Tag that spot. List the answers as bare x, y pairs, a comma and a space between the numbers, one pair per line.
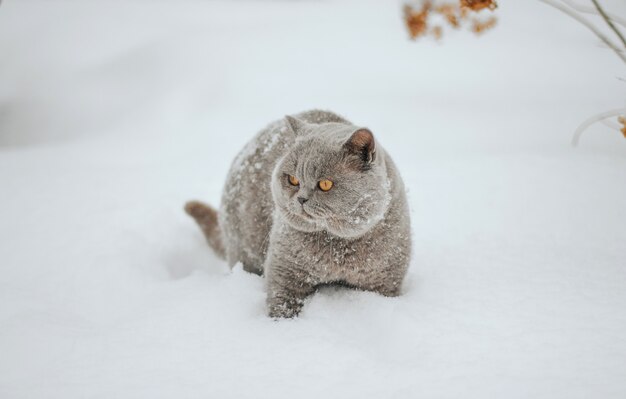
206, 217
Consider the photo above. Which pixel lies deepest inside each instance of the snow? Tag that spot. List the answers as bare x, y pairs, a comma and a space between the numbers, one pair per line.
113, 114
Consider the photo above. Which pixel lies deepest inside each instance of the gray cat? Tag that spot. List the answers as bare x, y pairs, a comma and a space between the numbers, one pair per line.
312, 200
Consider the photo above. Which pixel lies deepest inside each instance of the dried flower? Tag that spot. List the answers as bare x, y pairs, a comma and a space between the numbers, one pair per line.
416, 21
479, 26
477, 5
419, 18
437, 32
449, 12
622, 121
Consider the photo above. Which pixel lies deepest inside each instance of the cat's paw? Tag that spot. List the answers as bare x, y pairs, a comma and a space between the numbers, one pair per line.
284, 309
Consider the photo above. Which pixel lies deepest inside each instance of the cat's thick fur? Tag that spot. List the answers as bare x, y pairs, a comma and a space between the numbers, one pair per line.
356, 234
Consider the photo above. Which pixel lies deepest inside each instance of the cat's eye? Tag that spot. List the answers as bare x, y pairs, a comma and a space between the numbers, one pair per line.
293, 180
325, 185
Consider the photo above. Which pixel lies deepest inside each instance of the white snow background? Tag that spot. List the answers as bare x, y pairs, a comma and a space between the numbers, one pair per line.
114, 113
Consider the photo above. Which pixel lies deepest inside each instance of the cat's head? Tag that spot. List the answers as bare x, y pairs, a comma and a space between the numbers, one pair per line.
331, 179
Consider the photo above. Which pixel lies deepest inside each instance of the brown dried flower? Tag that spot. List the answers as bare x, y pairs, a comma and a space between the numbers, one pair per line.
622, 121
437, 32
477, 5
419, 18
479, 26
449, 12
417, 21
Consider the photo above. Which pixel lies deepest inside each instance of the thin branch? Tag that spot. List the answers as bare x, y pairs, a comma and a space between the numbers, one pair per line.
592, 10
613, 125
592, 120
588, 24
609, 22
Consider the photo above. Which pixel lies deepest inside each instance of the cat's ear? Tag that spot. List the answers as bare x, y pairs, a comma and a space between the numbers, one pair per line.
294, 124
362, 144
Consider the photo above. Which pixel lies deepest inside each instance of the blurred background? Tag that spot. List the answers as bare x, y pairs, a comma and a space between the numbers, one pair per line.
114, 113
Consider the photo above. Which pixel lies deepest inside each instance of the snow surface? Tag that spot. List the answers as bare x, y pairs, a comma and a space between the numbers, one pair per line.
112, 114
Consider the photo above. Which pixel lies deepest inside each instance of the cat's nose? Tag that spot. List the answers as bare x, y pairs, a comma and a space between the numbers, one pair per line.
302, 200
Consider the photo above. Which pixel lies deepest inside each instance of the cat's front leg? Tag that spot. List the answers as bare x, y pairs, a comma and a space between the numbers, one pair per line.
286, 290
385, 281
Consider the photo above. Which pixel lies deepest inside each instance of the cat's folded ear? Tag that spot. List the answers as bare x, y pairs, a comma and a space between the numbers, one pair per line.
294, 124
362, 144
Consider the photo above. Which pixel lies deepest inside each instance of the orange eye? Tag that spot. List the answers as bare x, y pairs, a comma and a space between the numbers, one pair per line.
293, 181
325, 185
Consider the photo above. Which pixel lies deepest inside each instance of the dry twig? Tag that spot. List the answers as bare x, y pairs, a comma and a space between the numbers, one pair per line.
572, 9
589, 25
592, 10
612, 124
608, 21
592, 120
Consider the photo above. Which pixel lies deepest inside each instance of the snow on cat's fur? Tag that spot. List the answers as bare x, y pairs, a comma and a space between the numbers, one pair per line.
301, 237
